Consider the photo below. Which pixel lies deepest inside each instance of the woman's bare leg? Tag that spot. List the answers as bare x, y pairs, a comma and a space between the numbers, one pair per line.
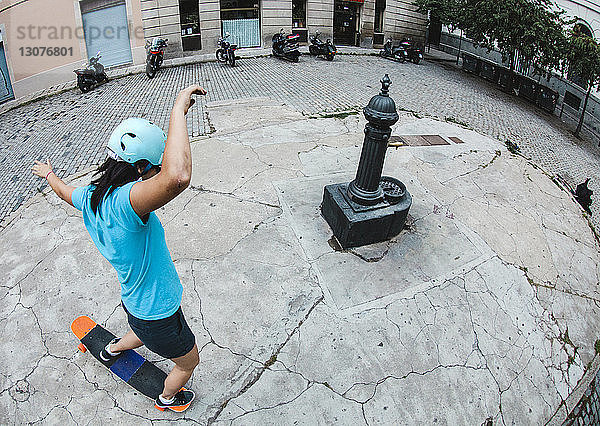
181, 373
129, 341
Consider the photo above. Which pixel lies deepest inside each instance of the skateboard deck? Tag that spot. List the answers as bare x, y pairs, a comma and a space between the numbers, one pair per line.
134, 369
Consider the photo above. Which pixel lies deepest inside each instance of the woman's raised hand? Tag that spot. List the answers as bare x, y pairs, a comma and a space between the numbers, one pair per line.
184, 98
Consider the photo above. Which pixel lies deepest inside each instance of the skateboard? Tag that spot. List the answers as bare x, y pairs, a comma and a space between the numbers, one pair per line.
131, 367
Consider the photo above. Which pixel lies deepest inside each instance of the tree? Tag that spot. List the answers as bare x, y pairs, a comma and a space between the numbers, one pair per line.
449, 12
530, 30
584, 59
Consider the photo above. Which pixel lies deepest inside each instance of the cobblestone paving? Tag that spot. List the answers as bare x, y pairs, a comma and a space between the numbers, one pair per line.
72, 129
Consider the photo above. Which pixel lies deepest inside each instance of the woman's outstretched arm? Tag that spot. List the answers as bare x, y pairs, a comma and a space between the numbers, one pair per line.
176, 172
44, 170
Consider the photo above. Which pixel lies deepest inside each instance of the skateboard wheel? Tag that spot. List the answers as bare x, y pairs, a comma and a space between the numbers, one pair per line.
82, 347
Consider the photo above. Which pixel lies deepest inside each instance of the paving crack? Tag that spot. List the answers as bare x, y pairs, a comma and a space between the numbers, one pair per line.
308, 386
200, 188
253, 378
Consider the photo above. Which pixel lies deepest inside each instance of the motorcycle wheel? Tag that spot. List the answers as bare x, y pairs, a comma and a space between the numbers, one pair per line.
382, 53
330, 56
313, 50
231, 58
296, 58
104, 78
416, 60
150, 71
220, 54
84, 87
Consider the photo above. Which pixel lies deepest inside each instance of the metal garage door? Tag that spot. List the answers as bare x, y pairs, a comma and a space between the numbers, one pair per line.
105, 28
6, 92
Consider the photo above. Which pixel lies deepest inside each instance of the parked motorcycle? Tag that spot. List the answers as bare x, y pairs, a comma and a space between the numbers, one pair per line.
286, 46
154, 58
393, 52
317, 47
413, 53
91, 75
226, 51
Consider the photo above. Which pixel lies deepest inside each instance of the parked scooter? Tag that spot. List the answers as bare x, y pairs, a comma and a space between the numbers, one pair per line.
286, 46
393, 52
226, 51
413, 53
154, 58
91, 75
317, 47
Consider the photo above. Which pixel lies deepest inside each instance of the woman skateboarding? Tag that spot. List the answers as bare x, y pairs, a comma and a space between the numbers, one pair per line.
145, 169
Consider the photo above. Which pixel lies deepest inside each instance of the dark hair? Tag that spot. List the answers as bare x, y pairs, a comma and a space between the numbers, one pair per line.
113, 174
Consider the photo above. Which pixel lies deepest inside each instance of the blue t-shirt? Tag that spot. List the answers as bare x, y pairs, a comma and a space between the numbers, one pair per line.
150, 286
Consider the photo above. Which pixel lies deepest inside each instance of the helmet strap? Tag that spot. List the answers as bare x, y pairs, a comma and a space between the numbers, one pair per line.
147, 169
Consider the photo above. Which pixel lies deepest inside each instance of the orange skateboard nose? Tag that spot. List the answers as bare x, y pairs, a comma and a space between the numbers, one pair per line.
82, 326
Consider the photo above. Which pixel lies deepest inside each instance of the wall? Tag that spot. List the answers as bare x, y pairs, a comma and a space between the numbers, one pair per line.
585, 10
210, 24
37, 72
367, 23
401, 19
319, 17
275, 14
160, 18
57, 23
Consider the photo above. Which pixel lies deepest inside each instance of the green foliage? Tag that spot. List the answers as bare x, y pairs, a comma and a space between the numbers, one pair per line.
449, 12
533, 30
584, 57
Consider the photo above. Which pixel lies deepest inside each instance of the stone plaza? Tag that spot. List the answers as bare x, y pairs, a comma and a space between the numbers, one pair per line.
483, 310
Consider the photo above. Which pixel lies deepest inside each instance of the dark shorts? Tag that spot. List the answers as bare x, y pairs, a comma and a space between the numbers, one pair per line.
169, 337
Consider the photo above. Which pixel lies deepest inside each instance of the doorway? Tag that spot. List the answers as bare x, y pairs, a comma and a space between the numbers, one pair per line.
346, 21
189, 18
106, 30
435, 30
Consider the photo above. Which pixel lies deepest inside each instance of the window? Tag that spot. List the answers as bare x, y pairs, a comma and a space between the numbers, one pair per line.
379, 11
190, 25
572, 100
298, 13
241, 19
239, 9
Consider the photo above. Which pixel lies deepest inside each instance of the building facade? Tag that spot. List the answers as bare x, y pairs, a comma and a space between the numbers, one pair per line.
42, 42
587, 14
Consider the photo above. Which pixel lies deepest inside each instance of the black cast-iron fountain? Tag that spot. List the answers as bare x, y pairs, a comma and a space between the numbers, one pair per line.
372, 208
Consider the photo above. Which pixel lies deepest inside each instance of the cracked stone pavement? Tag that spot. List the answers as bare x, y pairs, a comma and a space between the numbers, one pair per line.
484, 309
